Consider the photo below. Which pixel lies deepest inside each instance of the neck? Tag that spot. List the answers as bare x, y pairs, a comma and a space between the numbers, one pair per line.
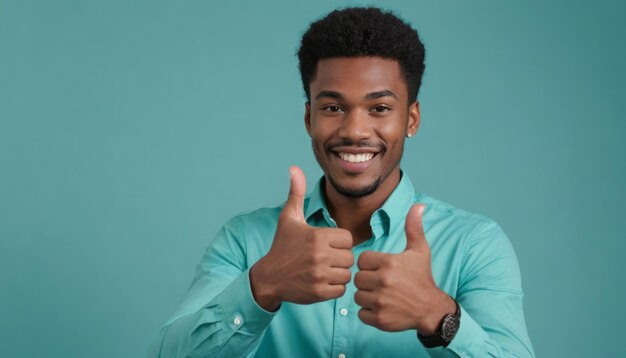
353, 214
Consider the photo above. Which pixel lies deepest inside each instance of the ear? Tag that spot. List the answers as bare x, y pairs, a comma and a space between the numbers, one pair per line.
413, 123
307, 117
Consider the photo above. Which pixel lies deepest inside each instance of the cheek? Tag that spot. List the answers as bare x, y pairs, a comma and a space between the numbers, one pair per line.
393, 135
317, 142
321, 134
395, 147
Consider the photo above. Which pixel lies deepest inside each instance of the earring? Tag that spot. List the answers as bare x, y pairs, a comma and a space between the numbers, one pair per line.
409, 135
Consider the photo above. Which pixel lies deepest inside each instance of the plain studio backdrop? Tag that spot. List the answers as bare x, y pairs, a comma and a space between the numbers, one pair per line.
130, 131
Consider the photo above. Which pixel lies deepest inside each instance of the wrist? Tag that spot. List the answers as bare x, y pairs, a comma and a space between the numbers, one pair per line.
442, 306
263, 291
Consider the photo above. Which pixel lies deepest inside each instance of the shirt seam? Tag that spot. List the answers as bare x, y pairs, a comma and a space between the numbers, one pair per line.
244, 244
468, 243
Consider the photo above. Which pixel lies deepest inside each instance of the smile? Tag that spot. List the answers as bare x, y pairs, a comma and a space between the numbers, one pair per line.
355, 158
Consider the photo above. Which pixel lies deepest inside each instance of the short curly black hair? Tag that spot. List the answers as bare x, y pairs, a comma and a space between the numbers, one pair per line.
363, 31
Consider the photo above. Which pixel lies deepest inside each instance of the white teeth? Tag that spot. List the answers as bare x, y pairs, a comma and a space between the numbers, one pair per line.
356, 158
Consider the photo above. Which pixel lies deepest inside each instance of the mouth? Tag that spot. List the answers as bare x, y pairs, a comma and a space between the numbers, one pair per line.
355, 158
354, 162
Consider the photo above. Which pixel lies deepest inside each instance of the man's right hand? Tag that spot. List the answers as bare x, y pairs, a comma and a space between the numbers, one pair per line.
305, 264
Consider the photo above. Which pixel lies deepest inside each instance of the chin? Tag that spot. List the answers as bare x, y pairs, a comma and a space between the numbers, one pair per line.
355, 191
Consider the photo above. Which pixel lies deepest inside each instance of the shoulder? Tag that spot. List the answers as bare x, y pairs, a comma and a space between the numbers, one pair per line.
265, 216
472, 230
485, 249
439, 210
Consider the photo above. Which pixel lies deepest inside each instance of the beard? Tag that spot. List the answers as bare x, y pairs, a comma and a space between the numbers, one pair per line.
355, 192
350, 192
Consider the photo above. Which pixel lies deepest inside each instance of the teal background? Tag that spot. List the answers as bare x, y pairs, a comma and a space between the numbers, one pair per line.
130, 131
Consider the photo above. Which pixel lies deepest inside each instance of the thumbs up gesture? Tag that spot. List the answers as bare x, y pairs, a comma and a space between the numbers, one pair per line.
305, 264
397, 292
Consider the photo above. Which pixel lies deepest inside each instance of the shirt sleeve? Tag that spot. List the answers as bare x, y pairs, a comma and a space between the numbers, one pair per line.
218, 316
490, 295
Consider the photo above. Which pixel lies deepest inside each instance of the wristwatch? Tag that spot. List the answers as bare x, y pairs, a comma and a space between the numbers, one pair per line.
446, 332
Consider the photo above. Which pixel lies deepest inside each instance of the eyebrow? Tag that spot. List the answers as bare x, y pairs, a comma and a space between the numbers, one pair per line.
329, 94
371, 95
379, 94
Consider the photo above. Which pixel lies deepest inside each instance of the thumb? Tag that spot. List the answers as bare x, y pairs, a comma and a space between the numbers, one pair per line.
294, 207
415, 237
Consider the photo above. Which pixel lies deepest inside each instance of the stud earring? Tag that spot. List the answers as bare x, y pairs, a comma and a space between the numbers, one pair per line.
409, 135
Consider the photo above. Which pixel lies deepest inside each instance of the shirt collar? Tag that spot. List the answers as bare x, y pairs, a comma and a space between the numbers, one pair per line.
391, 214
316, 201
398, 204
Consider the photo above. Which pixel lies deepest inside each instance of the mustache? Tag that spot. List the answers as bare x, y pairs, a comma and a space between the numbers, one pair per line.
357, 144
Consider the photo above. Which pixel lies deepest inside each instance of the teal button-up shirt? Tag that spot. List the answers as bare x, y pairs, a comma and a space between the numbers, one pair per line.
472, 261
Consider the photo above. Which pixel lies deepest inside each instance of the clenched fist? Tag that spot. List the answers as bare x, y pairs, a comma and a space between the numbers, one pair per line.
305, 264
397, 292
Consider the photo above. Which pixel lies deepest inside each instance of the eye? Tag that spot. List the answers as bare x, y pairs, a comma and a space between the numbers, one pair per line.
381, 109
332, 108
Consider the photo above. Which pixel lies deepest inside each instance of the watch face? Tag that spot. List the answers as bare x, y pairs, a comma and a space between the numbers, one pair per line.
449, 327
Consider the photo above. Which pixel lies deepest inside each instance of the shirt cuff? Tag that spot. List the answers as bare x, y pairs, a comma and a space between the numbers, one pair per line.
471, 339
241, 310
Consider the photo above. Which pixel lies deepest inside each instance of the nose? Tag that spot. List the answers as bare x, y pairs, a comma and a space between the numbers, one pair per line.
355, 127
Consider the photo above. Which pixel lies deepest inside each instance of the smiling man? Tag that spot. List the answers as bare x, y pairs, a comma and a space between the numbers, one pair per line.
364, 266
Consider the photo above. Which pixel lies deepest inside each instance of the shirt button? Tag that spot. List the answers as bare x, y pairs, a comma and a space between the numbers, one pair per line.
341, 355
343, 311
237, 321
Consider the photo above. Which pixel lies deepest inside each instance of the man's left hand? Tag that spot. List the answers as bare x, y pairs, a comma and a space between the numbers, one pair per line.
397, 292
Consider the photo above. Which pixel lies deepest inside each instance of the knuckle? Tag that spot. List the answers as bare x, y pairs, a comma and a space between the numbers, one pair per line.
313, 237
386, 281
350, 259
316, 258
362, 314
380, 319
357, 279
347, 276
316, 275
347, 237
308, 243
362, 259
389, 262
358, 298
379, 303
317, 293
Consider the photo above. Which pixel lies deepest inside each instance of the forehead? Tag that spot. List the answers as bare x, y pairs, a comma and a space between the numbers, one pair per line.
358, 76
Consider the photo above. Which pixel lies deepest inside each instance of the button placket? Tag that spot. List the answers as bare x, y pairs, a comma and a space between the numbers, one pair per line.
344, 323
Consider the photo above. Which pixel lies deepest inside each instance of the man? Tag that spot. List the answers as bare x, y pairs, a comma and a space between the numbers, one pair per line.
364, 266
